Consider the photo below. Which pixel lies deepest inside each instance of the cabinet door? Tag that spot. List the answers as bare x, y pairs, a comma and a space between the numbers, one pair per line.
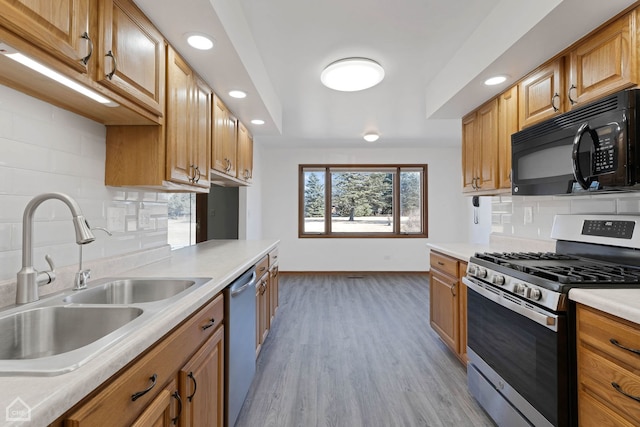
486, 156
178, 120
201, 132
273, 293
540, 95
245, 153
202, 385
230, 144
605, 62
57, 27
159, 413
131, 57
507, 125
462, 311
220, 128
469, 124
444, 308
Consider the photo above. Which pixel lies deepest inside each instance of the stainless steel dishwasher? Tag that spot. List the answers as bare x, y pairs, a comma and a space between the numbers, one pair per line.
240, 342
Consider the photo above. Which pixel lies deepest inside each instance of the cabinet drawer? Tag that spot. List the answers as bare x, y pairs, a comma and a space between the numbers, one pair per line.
592, 413
607, 381
596, 330
262, 266
444, 263
273, 257
114, 404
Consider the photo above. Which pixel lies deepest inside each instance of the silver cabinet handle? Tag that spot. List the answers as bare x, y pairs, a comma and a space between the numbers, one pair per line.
553, 101
115, 65
571, 100
85, 36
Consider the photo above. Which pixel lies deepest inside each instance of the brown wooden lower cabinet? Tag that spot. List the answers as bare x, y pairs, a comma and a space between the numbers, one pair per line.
608, 369
267, 296
448, 302
158, 385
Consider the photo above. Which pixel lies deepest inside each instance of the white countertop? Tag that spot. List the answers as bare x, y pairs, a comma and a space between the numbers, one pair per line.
50, 397
462, 251
624, 303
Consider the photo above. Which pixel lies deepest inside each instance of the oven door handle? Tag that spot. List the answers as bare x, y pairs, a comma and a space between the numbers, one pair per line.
548, 321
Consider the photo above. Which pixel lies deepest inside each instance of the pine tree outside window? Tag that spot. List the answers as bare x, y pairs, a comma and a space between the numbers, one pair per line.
363, 201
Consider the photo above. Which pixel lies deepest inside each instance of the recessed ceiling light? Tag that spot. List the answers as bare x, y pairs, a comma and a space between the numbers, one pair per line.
371, 137
352, 74
237, 94
257, 121
496, 80
199, 41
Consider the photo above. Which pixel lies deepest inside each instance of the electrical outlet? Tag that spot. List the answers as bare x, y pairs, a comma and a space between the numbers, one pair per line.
528, 214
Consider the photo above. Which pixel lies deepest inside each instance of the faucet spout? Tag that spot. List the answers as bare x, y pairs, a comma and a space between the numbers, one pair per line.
28, 278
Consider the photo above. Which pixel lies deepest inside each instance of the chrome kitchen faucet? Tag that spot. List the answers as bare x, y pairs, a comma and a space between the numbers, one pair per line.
29, 279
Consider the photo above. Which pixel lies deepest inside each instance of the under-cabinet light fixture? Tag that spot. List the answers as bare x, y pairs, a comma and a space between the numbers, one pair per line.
54, 75
257, 121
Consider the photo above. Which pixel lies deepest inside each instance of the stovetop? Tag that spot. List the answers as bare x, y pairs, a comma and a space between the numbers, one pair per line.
561, 268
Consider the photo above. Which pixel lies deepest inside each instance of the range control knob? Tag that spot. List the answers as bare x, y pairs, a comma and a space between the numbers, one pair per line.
472, 270
535, 294
519, 288
498, 279
481, 273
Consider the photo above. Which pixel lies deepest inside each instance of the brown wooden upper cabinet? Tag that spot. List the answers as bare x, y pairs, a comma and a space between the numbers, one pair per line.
225, 128
480, 148
245, 154
507, 125
60, 28
604, 62
541, 93
131, 55
170, 157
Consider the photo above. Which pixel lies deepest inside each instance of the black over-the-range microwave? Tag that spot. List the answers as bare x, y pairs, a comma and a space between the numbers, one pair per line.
591, 148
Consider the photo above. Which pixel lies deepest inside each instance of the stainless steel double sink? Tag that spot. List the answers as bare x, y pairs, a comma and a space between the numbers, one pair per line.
61, 332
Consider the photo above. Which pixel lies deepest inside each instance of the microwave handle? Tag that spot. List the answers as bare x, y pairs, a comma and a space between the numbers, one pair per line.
577, 173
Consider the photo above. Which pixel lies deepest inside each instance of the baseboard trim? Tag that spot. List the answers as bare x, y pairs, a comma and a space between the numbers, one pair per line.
354, 273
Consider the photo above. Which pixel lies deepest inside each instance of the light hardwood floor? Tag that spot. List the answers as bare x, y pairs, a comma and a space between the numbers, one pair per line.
357, 352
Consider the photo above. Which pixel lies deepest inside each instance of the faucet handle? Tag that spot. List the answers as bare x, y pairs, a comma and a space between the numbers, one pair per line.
46, 277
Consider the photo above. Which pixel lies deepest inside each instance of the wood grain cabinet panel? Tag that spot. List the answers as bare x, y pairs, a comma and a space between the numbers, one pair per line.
480, 148
605, 62
225, 134
245, 154
202, 385
608, 369
56, 27
160, 412
541, 94
448, 302
507, 126
131, 55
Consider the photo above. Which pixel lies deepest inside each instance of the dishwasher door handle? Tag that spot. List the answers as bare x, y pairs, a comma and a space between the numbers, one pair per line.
241, 289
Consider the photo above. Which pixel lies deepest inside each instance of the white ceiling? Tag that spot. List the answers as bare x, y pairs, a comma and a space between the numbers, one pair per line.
436, 54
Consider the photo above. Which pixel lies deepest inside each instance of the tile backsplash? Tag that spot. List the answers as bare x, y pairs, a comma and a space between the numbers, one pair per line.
46, 149
532, 216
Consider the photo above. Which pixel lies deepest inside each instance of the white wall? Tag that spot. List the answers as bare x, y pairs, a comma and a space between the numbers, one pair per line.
46, 149
279, 180
250, 198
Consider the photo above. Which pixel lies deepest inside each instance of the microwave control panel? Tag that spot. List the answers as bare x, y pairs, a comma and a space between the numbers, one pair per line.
604, 154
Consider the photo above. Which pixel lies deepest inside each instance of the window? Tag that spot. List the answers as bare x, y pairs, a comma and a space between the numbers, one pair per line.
362, 201
181, 209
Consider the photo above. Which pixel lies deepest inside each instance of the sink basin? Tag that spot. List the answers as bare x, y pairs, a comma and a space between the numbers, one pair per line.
49, 331
130, 291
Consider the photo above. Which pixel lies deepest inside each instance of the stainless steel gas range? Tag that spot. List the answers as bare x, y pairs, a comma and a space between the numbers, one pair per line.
520, 320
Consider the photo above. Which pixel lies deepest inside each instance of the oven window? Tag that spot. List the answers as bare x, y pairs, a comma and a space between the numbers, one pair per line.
530, 357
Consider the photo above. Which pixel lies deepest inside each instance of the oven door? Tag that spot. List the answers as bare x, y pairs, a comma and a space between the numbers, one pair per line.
520, 355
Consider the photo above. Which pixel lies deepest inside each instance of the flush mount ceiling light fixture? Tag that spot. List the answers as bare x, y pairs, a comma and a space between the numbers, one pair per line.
237, 94
352, 74
371, 136
199, 41
496, 80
